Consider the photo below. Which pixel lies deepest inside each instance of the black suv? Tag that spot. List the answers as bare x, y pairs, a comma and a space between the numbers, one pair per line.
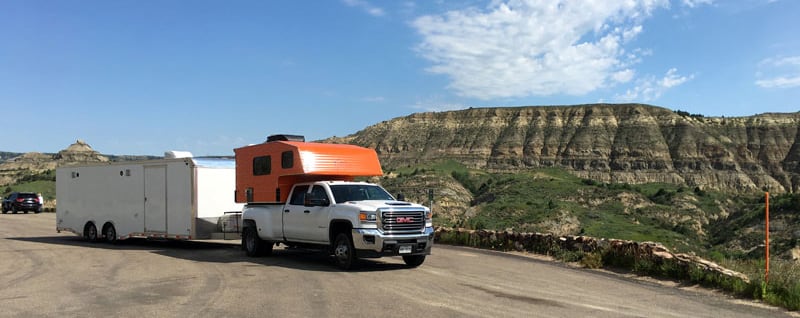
22, 201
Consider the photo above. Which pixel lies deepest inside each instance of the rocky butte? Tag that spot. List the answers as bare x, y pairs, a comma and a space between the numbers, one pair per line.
35, 162
622, 143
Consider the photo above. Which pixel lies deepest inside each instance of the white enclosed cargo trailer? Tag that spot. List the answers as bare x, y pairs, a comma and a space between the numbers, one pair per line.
183, 198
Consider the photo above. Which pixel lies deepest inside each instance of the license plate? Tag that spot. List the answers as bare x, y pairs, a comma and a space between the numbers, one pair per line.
405, 249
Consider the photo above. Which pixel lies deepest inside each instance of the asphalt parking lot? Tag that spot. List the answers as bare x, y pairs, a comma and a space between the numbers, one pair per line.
47, 274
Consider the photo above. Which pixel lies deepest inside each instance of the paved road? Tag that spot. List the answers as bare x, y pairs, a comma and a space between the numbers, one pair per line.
45, 274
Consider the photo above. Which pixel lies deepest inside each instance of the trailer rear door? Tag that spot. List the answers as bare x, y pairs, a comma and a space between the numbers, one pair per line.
155, 198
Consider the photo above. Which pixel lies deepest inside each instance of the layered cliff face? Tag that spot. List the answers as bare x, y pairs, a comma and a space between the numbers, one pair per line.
628, 143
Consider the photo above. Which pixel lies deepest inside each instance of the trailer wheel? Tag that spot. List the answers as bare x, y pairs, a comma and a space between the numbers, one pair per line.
414, 260
90, 232
253, 245
110, 233
343, 251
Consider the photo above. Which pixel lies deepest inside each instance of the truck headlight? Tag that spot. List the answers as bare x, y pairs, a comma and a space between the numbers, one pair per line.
428, 218
365, 216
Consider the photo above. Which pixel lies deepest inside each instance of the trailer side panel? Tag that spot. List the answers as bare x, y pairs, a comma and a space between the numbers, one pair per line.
172, 198
108, 194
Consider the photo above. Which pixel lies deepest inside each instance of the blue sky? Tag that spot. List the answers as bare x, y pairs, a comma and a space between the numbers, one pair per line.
143, 77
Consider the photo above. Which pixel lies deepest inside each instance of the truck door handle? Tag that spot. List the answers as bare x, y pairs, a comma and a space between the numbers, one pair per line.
306, 211
286, 211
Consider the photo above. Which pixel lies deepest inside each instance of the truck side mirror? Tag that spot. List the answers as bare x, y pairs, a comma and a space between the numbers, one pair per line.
401, 197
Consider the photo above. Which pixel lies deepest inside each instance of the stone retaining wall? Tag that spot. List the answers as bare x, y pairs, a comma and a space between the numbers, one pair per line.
614, 252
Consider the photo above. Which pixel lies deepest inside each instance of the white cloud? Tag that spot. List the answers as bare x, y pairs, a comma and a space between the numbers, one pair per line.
672, 79
780, 82
695, 3
779, 72
623, 76
366, 6
519, 48
792, 60
650, 88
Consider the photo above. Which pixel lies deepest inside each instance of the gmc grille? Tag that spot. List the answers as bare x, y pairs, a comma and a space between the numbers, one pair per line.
402, 222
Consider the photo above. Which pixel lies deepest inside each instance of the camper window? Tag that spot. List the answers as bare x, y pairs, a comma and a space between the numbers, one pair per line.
262, 165
287, 159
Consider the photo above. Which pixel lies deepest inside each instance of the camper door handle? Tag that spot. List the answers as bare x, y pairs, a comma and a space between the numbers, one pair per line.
306, 211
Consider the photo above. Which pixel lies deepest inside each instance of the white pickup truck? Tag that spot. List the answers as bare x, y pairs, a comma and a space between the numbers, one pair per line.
348, 219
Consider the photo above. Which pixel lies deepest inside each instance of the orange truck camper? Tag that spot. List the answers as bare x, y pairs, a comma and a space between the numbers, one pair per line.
266, 172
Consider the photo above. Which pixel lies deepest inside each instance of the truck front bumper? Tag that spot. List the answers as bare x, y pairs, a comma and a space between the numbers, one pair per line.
374, 243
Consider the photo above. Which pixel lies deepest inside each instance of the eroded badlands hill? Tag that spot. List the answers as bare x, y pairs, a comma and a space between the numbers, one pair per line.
629, 143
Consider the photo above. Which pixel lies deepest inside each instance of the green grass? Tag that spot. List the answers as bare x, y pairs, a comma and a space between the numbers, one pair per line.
619, 226
521, 200
518, 200
43, 182
445, 167
539, 199
783, 287
46, 188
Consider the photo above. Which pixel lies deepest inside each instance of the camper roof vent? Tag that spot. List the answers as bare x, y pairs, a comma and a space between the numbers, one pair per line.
175, 154
286, 138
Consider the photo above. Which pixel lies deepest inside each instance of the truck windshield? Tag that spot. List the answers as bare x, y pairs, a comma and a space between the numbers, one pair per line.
359, 192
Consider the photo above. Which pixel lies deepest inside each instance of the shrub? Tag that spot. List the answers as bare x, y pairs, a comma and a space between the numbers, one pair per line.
568, 256
592, 260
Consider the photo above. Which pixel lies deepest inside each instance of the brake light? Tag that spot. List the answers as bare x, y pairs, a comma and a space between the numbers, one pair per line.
20, 199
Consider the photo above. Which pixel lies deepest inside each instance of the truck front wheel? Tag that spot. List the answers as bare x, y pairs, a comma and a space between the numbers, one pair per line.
414, 260
253, 245
343, 251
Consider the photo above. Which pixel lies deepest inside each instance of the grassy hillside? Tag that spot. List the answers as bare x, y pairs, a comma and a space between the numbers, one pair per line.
44, 183
552, 200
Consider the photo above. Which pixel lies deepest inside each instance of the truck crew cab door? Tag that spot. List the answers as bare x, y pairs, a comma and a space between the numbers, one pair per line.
307, 218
